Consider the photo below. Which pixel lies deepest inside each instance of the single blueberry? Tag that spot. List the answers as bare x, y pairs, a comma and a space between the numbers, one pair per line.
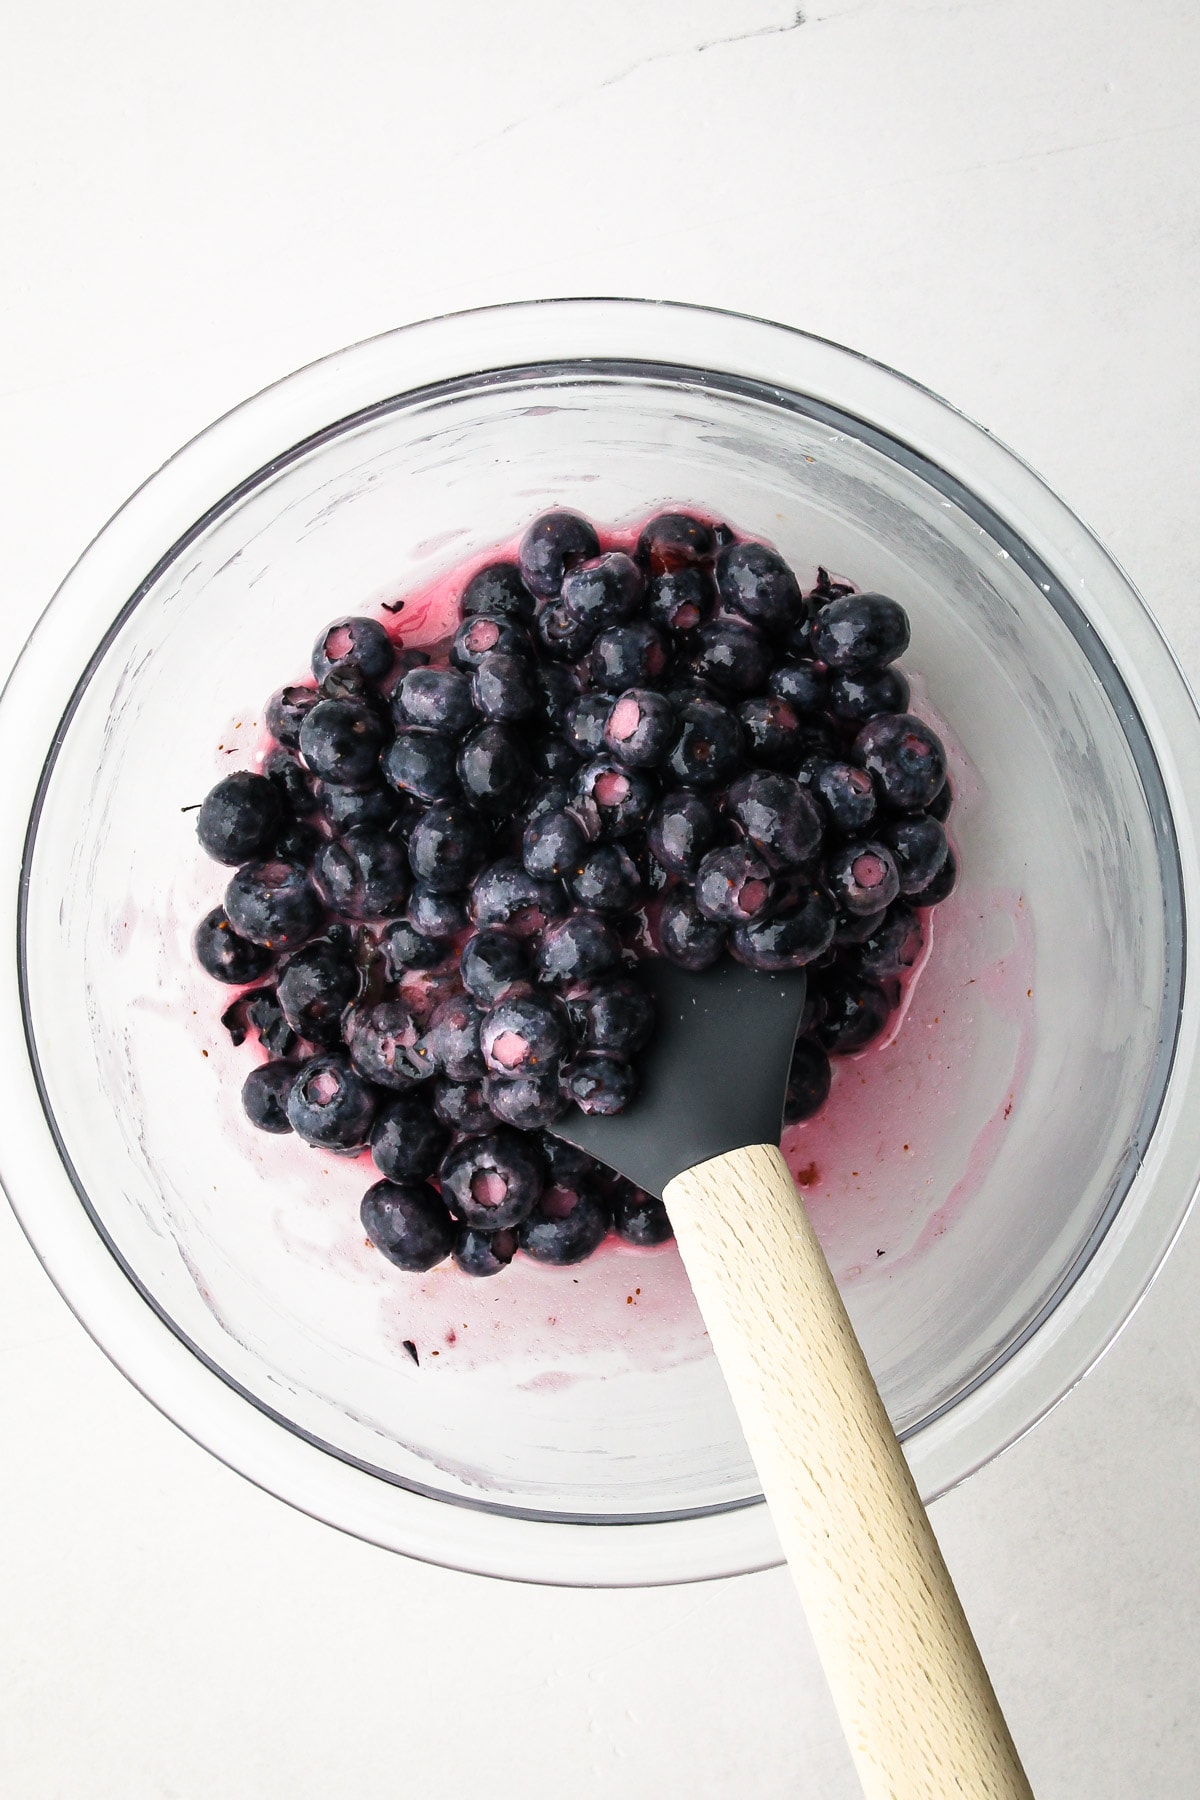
296, 786
803, 685
267, 1017
451, 1044
340, 741
756, 582
505, 688
524, 1033
809, 1080
493, 962
856, 1011
942, 885
436, 915
613, 1016
779, 817
554, 543
601, 1085
710, 747
446, 847
264, 1095
576, 949
408, 1140
584, 725
919, 848
606, 590
904, 758
404, 948
493, 1181
382, 1041
498, 591
607, 881
774, 732
734, 885
640, 728
436, 700
554, 845
682, 828
487, 636
409, 1222
330, 1104
484, 1252
558, 686
505, 893
273, 904
860, 631
316, 985
681, 599
563, 635
685, 936
422, 763
730, 656
620, 799
567, 1224
846, 793
638, 1217
567, 1165
552, 758
463, 1107
862, 877
893, 947
363, 875
855, 698
240, 818
494, 769
791, 938
943, 800
626, 656
675, 540
360, 644
286, 711
349, 808
526, 1102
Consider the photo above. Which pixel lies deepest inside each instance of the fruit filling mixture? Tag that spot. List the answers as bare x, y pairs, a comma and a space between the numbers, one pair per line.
450, 866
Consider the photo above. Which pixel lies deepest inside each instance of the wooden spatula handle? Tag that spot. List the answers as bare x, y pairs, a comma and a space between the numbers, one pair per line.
909, 1684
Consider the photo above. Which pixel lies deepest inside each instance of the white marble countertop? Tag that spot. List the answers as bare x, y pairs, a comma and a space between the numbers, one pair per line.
998, 197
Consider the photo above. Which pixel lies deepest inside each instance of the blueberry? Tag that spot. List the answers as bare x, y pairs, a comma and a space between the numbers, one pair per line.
494, 769
409, 1222
854, 929
566, 1226
856, 1011
422, 763
446, 848
620, 799
794, 936
683, 827
856, 698
480, 637
360, 644
340, 741
779, 817
939, 806
710, 747
809, 1080
504, 894
904, 758
607, 881
942, 885
919, 849
638, 1217
685, 936
363, 875
562, 634
846, 793
802, 684
295, 784
613, 1016
554, 845
627, 656
272, 904
894, 947
484, 1252
451, 1044
298, 842
435, 915
553, 758
601, 1085
330, 1104
756, 582
494, 1181
862, 877
505, 688
498, 591
350, 683
436, 699
585, 721
730, 656
558, 687
606, 590
551, 795
576, 949
463, 1107
240, 818
524, 1033
553, 544
267, 1017
567, 1165
860, 631
492, 962
640, 728
316, 986
774, 733
734, 885
349, 808
675, 540
264, 1095
408, 1139
382, 1042
286, 712
527, 1102
681, 599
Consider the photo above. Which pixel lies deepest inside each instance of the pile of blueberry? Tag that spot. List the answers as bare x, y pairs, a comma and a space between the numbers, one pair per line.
446, 874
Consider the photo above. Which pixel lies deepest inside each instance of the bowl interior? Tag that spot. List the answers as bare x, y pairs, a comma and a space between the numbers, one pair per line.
959, 1179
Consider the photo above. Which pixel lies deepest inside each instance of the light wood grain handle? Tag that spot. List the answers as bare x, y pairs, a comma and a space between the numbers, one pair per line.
908, 1682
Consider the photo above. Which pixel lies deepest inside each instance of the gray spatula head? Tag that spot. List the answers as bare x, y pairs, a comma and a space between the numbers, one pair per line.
713, 1078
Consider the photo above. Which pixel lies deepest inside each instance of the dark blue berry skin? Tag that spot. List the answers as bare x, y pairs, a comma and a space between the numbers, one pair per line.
682, 829
809, 1080
791, 938
264, 1095
638, 1217
860, 631
802, 684
298, 842
404, 947
675, 540
562, 634
640, 728
492, 963
382, 1042
779, 817
273, 904
436, 700
494, 770
612, 1016
558, 687
846, 793
330, 1104
894, 946
446, 847
266, 1015
553, 544
862, 877
240, 818
856, 1012
686, 937
495, 1181
567, 1225
939, 806
423, 764
286, 712
497, 591
480, 637
567, 1165
408, 1140
606, 590
523, 1034
734, 885
710, 747
360, 644
756, 582
295, 784
554, 845
577, 948
463, 1107
585, 721
349, 683
904, 758
601, 1085
919, 848
607, 881
223, 954
551, 795
434, 915
627, 656
340, 741
451, 1044
853, 930
856, 698
621, 800
526, 1102
552, 758
316, 985
363, 875
775, 735
348, 809
504, 892
681, 599
484, 1252
730, 656
942, 885
505, 688
410, 1224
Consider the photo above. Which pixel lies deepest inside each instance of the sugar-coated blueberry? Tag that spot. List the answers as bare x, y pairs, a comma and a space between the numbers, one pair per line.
484, 1252
264, 1095
756, 582
434, 914
404, 948
554, 543
638, 1217
330, 1104
409, 1222
363, 875
860, 631
436, 700
273, 904
382, 1040
809, 1081
685, 936
316, 985
498, 590
408, 1140
494, 1181
354, 643
240, 818
905, 759
224, 954
340, 740
567, 1224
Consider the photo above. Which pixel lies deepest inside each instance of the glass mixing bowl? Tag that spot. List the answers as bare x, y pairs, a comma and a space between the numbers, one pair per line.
994, 1204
